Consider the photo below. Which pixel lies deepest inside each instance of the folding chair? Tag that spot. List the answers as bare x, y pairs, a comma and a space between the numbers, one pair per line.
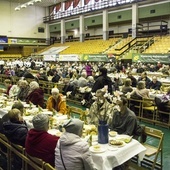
135, 105
77, 113
34, 163
151, 109
154, 148
17, 153
48, 167
5, 150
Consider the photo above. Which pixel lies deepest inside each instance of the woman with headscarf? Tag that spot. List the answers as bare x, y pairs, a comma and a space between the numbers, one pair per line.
35, 95
71, 151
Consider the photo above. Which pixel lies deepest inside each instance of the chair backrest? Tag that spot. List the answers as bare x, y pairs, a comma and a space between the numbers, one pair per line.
48, 167
36, 162
77, 113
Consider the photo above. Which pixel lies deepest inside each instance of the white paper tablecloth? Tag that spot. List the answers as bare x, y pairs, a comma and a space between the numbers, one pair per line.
112, 158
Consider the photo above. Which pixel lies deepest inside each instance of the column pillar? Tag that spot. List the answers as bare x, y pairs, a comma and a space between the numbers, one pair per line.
105, 25
81, 25
135, 19
47, 30
63, 31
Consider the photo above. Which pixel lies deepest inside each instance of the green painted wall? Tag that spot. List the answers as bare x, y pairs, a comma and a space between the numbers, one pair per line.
120, 16
92, 21
55, 27
160, 10
72, 24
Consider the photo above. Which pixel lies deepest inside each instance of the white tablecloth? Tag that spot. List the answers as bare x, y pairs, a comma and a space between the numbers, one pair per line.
112, 158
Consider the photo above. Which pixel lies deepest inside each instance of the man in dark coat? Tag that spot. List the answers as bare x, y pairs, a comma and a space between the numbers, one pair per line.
102, 80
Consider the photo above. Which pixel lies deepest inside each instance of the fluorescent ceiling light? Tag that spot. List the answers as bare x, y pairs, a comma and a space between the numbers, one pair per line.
37, 0
23, 6
17, 9
30, 3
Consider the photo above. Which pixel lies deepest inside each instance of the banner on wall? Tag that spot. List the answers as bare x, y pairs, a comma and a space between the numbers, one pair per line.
50, 57
94, 57
151, 58
69, 57
22, 41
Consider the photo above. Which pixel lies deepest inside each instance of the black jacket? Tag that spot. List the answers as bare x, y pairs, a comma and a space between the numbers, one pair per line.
15, 132
102, 81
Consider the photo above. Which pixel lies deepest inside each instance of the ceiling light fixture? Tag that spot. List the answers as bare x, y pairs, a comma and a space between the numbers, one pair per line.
37, 0
30, 3
17, 9
23, 6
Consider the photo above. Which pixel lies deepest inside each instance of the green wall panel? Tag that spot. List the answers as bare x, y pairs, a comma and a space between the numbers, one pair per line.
120, 16
55, 27
72, 24
160, 10
92, 21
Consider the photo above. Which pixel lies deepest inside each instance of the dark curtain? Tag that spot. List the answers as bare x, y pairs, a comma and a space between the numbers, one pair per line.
86, 2
58, 6
68, 4
75, 3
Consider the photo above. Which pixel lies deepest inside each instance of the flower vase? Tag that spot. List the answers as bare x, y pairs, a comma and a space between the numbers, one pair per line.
103, 132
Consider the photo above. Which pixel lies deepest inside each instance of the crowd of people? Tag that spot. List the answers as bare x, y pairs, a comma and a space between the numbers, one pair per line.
59, 151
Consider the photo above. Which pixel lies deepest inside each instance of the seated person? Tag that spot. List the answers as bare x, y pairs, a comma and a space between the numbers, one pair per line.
5, 118
100, 109
23, 91
141, 92
57, 102
8, 85
15, 129
71, 151
155, 84
127, 86
133, 79
35, 94
39, 143
14, 90
144, 78
124, 120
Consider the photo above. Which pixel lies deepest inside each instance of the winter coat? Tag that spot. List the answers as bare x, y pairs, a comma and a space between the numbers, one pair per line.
16, 132
41, 144
59, 106
75, 153
101, 81
36, 97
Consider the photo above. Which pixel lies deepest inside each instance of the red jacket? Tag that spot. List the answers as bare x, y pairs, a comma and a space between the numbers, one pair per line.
36, 97
42, 145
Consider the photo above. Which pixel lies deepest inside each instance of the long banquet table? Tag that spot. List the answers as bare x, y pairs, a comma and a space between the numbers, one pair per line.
113, 157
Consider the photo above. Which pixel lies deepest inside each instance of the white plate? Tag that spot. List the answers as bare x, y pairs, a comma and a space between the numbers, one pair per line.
102, 149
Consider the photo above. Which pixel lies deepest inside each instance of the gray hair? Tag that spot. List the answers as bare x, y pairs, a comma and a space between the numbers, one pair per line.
40, 122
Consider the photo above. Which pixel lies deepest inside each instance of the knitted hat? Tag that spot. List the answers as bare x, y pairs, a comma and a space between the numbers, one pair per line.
54, 90
40, 122
74, 126
34, 85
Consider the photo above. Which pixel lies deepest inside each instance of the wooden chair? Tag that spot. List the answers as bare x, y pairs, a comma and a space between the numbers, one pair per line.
77, 113
5, 149
151, 109
34, 163
48, 167
153, 149
18, 151
136, 106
